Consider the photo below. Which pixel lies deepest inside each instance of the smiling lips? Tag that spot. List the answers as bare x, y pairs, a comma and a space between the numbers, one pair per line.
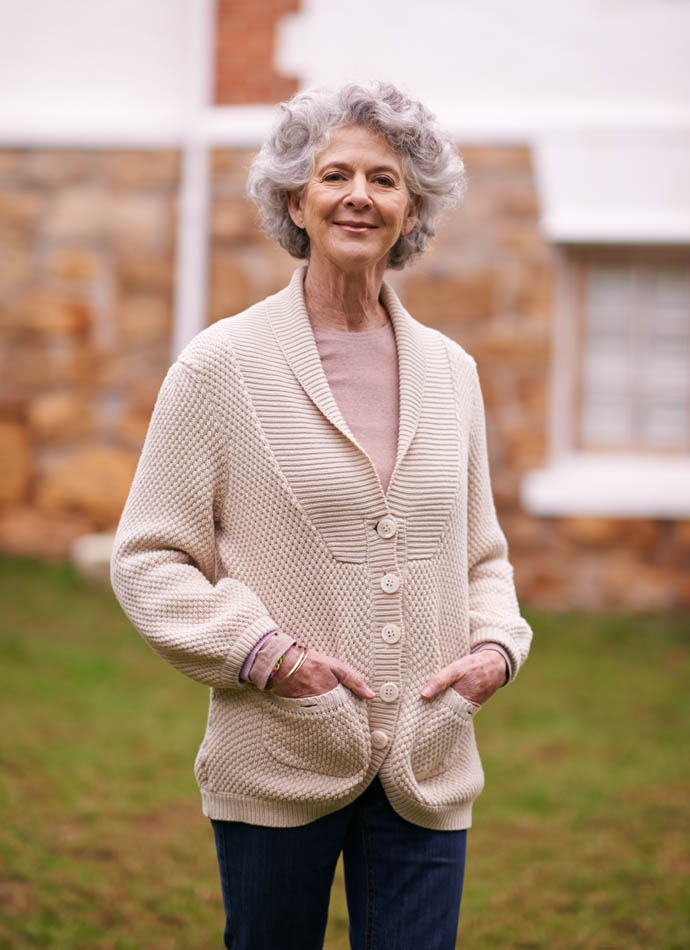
358, 227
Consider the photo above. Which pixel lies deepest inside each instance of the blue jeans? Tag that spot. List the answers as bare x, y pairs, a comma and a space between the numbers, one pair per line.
403, 882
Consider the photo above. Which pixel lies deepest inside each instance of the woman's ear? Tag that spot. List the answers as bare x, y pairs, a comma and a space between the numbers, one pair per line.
411, 216
294, 205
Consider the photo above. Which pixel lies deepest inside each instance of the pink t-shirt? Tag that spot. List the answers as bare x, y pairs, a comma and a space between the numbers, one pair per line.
362, 372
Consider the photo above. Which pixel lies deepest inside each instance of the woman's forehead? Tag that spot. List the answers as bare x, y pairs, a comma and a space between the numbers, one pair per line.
353, 143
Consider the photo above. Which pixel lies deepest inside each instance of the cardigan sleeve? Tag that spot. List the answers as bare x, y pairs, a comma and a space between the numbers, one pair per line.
163, 566
493, 606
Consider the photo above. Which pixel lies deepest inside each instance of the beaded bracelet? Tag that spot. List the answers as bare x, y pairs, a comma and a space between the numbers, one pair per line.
297, 666
275, 669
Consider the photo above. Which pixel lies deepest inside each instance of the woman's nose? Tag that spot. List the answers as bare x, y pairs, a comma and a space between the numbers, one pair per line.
359, 193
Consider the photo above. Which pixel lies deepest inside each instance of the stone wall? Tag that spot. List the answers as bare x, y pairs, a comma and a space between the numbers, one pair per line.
243, 265
86, 280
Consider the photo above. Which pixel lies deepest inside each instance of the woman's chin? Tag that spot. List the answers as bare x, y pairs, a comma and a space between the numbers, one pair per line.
354, 258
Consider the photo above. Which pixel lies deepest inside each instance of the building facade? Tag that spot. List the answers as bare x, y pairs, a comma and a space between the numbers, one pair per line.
565, 272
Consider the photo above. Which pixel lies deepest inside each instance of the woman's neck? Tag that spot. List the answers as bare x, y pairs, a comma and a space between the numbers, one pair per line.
345, 301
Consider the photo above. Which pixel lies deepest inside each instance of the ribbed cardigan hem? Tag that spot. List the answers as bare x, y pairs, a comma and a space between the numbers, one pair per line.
439, 818
224, 806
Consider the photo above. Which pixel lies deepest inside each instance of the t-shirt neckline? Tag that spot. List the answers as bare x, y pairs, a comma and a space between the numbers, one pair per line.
323, 331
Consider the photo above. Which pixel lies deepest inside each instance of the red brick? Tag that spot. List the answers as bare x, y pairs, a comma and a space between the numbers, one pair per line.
245, 44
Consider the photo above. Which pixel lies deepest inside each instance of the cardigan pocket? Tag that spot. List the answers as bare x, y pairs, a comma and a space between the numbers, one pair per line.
462, 706
445, 734
322, 734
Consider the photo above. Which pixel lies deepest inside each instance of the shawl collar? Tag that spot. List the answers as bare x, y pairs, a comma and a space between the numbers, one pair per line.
290, 322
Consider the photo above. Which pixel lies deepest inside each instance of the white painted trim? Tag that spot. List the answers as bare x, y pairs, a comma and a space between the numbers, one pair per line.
235, 126
634, 228
618, 185
485, 123
496, 122
84, 129
191, 261
563, 344
611, 486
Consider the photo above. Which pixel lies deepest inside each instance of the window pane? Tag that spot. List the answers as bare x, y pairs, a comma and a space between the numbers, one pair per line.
609, 287
636, 356
663, 286
606, 367
664, 424
606, 421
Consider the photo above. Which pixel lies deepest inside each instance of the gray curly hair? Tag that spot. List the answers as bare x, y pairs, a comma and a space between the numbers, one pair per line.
434, 171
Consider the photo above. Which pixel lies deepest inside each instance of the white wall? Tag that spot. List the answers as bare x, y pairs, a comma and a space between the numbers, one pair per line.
85, 67
527, 53
137, 72
599, 88
493, 70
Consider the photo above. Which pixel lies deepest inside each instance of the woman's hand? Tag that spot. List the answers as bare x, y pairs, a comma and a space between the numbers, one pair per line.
318, 674
476, 677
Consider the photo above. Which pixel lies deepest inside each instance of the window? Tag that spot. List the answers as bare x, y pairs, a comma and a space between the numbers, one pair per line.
633, 375
620, 390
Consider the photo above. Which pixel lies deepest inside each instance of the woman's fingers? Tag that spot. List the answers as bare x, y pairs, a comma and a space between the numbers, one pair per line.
476, 677
319, 674
440, 681
348, 677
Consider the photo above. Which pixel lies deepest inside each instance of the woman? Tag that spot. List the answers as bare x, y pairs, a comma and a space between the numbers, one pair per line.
311, 533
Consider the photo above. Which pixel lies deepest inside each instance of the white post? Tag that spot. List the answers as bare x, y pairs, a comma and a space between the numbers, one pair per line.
191, 265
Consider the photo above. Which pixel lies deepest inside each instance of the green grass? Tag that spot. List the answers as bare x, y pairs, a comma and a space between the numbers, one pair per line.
580, 839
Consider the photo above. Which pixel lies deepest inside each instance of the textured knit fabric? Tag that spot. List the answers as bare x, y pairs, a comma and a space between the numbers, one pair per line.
362, 372
254, 508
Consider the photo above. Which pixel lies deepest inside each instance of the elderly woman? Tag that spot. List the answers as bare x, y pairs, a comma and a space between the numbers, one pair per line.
311, 533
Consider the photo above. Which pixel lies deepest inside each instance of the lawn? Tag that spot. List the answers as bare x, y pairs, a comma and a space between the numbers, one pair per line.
580, 839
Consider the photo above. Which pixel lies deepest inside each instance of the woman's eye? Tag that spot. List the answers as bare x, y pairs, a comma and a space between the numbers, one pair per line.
385, 180
333, 176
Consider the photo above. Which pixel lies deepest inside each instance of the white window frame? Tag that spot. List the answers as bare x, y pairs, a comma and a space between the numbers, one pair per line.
589, 483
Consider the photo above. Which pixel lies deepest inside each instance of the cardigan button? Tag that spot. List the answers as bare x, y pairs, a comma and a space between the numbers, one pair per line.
389, 692
390, 633
379, 739
390, 583
386, 527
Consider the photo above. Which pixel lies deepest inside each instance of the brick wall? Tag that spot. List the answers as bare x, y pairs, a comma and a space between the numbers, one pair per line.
245, 45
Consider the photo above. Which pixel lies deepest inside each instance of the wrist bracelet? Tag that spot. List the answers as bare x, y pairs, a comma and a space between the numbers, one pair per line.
274, 670
296, 667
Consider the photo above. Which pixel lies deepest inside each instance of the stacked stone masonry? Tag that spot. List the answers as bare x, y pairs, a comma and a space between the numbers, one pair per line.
86, 274
86, 280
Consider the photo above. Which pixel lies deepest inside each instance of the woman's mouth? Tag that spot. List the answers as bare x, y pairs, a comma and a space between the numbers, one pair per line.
355, 227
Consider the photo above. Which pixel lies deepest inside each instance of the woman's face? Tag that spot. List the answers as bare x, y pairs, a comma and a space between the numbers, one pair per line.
356, 204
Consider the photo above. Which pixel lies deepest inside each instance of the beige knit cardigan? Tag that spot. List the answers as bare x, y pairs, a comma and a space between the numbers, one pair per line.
253, 507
